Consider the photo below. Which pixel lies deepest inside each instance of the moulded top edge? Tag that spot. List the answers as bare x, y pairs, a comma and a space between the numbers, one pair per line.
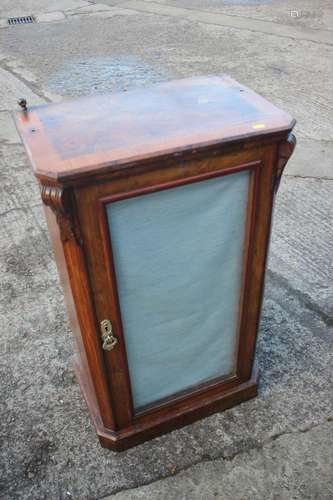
81, 137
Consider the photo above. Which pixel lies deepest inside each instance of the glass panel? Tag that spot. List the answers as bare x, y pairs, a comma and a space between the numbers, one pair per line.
178, 259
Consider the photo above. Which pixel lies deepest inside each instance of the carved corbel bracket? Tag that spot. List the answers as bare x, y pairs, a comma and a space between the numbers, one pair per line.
59, 200
285, 151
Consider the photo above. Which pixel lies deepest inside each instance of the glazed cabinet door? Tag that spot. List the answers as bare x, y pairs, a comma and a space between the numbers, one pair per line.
172, 260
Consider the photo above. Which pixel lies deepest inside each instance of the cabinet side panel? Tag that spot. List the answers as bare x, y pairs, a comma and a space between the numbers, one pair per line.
64, 281
69, 262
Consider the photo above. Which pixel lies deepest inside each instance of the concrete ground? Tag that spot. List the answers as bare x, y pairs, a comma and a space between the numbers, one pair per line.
277, 446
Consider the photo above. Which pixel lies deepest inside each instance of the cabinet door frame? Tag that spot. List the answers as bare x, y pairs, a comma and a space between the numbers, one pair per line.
92, 201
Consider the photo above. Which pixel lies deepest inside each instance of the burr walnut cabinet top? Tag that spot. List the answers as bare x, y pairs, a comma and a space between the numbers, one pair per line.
88, 136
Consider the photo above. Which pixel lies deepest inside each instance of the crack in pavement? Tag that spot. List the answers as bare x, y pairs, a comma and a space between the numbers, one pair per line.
19, 209
304, 298
314, 177
248, 18
207, 17
229, 459
31, 86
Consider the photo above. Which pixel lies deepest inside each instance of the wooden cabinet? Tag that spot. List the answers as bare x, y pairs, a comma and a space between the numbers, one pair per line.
159, 206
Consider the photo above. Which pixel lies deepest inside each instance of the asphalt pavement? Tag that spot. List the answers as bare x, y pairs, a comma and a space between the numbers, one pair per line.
277, 446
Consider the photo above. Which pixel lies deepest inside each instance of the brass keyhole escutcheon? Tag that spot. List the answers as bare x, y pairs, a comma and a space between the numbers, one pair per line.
109, 339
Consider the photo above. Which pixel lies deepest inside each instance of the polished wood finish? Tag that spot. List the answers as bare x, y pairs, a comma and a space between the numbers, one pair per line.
95, 151
83, 138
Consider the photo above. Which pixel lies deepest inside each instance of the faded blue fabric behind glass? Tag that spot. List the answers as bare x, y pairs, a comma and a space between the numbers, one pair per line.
178, 259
